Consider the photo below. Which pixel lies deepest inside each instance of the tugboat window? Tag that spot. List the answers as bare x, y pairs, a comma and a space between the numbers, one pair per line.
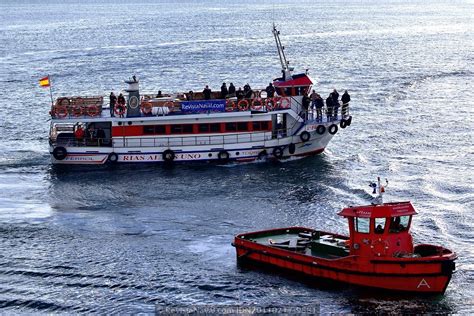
379, 225
399, 223
362, 224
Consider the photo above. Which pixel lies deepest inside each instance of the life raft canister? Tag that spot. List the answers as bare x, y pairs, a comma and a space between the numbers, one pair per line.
168, 155
59, 153
332, 129
305, 136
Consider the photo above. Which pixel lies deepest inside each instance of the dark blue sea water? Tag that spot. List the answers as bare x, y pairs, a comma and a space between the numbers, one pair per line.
125, 239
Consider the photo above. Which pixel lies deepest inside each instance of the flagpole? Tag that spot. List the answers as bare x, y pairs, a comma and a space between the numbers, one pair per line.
51, 91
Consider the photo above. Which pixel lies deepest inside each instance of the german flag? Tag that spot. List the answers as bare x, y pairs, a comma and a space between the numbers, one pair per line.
44, 82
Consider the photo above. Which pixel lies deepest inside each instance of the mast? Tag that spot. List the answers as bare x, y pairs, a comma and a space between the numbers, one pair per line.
281, 53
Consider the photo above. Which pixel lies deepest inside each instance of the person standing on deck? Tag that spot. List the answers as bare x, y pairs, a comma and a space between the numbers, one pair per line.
305, 102
270, 89
113, 101
121, 104
247, 91
346, 98
207, 93
313, 96
335, 103
329, 107
224, 91
319, 108
240, 94
231, 90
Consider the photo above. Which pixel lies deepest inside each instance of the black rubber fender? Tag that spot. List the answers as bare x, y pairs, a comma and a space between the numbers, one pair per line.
277, 152
332, 129
168, 155
59, 153
305, 136
113, 158
223, 155
262, 155
292, 148
321, 129
343, 124
349, 121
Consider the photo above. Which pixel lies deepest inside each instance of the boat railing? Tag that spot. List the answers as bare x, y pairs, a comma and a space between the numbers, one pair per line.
174, 141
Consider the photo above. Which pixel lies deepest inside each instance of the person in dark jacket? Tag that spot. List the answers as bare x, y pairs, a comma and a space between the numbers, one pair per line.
207, 93
248, 91
240, 94
335, 103
224, 91
329, 107
113, 101
319, 108
100, 134
346, 98
270, 89
306, 101
231, 90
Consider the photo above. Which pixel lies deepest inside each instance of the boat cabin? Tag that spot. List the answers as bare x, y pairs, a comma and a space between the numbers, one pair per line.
380, 230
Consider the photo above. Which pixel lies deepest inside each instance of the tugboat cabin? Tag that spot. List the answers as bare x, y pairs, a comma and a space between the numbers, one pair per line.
380, 230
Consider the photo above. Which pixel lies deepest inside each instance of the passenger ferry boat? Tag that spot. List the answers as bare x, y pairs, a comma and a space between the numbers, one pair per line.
186, 127
378, 252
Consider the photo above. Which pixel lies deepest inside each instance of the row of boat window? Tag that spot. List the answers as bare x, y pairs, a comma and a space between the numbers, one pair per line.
206, 128
397, 224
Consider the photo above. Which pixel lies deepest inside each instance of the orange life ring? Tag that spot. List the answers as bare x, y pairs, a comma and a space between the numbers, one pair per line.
241, 105
76, 110
257, 107
92, 111
146, 107
61, 101
229, 105
169, 104
119, 109
61, 111
287, 101
269, 103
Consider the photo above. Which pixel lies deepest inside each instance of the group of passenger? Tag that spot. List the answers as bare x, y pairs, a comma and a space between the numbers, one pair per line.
89, 136
316, 103
118, 102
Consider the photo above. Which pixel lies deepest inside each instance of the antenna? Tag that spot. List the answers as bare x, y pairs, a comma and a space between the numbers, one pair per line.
380, 189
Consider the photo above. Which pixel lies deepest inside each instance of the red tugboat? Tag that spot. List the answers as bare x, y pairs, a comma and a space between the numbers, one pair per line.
378, 253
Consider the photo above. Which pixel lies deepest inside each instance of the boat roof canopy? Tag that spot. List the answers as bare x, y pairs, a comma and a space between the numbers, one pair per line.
377, 211
302, 80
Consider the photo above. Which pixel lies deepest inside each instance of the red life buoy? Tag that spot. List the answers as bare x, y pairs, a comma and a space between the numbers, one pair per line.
243, 105
285, 103
146, 107
257, 104
93, 111
229, 105
269, 104
76, 110
60, 111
